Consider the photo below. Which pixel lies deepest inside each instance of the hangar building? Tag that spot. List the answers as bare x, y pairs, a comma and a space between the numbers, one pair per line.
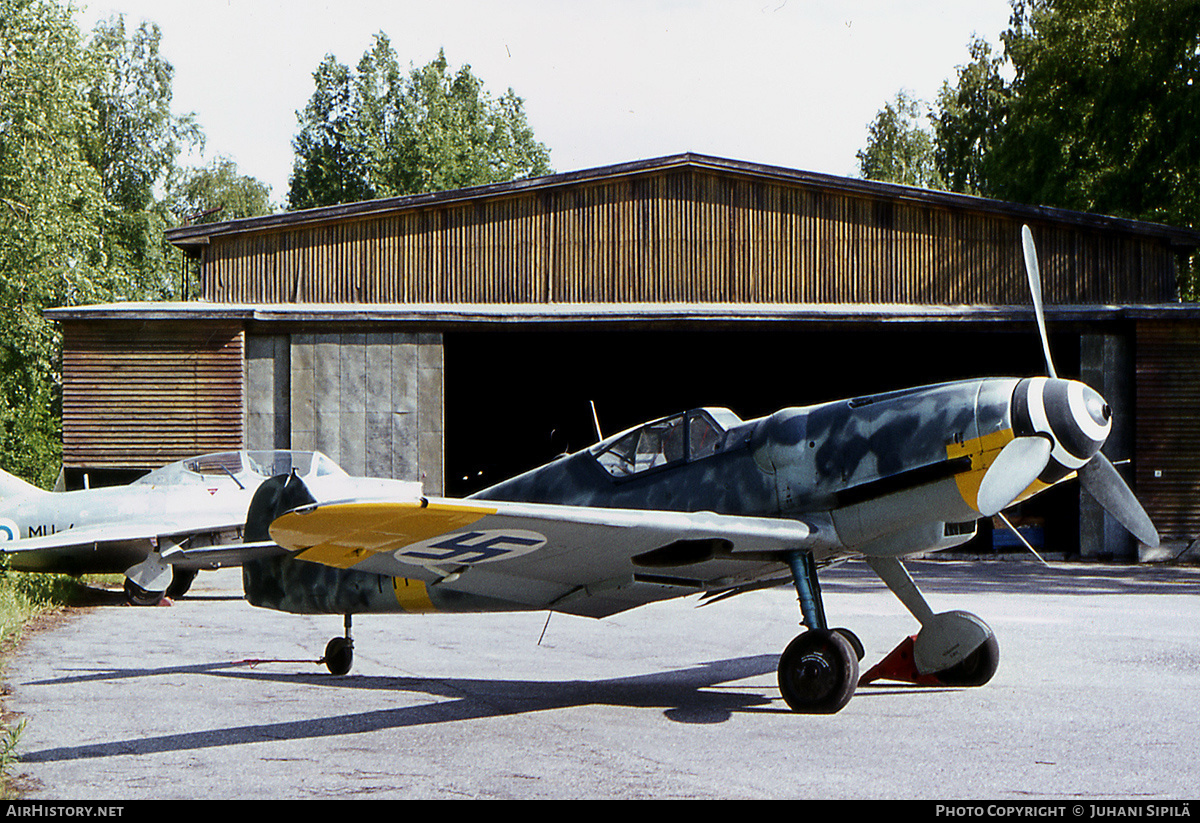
458, 337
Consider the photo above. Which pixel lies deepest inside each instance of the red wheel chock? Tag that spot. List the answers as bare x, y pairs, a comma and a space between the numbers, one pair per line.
899, 665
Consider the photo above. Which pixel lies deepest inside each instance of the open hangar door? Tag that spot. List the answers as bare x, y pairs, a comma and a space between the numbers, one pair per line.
516, 399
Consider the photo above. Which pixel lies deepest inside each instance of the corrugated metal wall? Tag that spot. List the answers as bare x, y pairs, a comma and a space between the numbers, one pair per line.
1168, 426
689, 235
137, 396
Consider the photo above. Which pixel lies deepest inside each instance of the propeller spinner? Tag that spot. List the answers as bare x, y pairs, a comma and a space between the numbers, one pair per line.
1060, 426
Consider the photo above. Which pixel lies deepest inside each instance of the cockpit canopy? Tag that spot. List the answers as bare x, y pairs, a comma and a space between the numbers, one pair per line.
686, 436
242, 466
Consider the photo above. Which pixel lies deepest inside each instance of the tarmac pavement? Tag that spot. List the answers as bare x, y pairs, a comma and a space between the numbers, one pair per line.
1095, 698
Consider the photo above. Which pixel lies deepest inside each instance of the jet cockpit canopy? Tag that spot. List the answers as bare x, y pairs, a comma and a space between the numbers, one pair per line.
246, 468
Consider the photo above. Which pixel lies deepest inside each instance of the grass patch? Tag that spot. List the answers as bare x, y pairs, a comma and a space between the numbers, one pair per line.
25, 595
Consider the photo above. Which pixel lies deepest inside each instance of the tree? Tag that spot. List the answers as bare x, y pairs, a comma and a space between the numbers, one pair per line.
899, 149
51, 200
86, 137
968, 118
1102, 113
134, 146
378, 132
214, 192
217, 191
330, 165
1105, 108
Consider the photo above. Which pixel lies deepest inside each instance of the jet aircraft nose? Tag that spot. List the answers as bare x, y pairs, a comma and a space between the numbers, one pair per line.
1072, 415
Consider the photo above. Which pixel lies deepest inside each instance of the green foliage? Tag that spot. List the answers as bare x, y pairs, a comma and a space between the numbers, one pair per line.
217, 192
86, 139
134, 146
52, 201
968, 118
1105, 111
899, 148
23, 596
380, 132
1101, 114
10, 736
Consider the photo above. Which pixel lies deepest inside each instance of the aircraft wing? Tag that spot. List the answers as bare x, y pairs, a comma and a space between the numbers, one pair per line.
125, 532
572, 558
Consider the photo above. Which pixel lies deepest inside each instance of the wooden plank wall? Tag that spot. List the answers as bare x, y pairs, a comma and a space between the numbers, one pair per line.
683, 235
1168, 426
140, 395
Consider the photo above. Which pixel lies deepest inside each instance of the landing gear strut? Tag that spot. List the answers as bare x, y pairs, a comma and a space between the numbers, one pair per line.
339, 652
951, 649
819, 669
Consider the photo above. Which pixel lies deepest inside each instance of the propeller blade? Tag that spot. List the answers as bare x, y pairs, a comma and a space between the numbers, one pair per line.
1018, 464
1033, 272
1105, 484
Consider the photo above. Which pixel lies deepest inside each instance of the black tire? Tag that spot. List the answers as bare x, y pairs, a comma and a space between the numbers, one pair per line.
855, 643
818, 672
339, 655
137, 596
181, 581
976, 668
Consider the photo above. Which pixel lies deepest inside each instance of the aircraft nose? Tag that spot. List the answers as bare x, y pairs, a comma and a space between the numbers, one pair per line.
1074, 417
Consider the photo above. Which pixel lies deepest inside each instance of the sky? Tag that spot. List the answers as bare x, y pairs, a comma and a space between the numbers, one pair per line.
792, 83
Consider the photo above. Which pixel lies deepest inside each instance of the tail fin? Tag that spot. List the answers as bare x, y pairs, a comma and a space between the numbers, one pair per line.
13, 486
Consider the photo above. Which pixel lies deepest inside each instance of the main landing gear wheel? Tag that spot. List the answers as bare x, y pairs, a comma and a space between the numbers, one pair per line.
818, 672
137, 596
976, 668
855, 643
181, 581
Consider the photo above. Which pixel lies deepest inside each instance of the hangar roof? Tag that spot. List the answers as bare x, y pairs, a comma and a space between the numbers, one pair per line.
445, 316
193, 237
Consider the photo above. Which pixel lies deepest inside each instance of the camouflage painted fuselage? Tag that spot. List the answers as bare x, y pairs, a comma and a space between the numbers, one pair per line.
843, 457
880, 476
886, 471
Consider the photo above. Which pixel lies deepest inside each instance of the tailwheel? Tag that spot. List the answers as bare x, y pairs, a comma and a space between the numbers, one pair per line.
339, 652
818, 672
181, 581
339, 655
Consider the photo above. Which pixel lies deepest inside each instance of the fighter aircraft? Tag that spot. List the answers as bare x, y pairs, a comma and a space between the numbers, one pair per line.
704, 502
161, 529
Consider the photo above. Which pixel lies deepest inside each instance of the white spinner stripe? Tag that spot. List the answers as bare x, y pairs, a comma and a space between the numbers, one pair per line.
1041, 423
1083, 418
1037, 407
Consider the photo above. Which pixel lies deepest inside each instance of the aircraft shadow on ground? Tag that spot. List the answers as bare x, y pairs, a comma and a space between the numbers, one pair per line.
699, 694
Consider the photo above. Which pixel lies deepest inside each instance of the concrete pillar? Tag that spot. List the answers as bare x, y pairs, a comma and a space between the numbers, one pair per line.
371, 401
268, 392
1106, 364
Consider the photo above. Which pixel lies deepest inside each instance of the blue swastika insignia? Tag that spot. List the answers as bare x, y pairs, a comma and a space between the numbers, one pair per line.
472, 547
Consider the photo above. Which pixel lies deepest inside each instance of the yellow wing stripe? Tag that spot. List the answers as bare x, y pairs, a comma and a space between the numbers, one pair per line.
343, 534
